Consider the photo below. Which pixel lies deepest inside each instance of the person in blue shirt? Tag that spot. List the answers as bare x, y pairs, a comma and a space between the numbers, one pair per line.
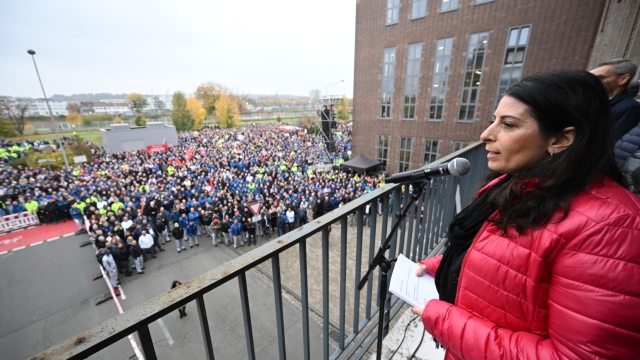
194, 217
183, 221
236, 234
192, 234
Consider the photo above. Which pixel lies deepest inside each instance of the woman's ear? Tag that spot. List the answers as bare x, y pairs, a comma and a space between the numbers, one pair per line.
563, 140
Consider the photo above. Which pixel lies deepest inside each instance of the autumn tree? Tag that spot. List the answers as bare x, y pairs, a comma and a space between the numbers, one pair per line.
137, 102
180, 115
15, 112
227, 112
209, 94
198, 113
343, 108
74, 118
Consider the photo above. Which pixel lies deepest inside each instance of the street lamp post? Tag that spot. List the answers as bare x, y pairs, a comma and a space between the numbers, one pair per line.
326, 89
53, 123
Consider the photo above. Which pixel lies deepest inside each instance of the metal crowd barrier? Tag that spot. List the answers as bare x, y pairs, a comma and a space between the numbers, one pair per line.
420, 235
18, 221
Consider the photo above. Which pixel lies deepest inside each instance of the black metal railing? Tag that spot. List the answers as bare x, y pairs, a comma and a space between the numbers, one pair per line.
356, 320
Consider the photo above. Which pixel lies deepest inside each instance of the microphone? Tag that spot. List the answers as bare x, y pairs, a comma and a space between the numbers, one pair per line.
457, 167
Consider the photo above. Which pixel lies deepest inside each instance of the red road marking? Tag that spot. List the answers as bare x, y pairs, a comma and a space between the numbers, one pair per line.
40, 233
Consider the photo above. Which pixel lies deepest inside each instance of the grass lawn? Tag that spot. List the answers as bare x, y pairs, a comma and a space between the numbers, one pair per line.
93, 136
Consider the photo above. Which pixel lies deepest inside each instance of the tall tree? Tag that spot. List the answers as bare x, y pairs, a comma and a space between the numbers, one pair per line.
137, 102
74, 118
181, 116
198, 113
209, 93
16, 113
343, 108
227, 112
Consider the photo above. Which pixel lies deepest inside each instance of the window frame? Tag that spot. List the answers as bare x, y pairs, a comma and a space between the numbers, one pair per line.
383, 161
480, 2
400, 150
389, 77
394, 9
410, 79
413, 9
504, 58
430, 152
471, 86
461, 144
442, 11
440, 75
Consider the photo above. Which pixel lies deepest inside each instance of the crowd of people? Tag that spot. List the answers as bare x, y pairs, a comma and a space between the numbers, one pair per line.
134, 203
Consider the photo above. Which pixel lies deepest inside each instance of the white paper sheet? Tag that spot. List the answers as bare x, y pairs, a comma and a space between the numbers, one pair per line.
410, 288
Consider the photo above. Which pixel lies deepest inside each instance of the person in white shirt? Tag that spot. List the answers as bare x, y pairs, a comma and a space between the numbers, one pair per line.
112, 269
291, 218
146, 244
126, 223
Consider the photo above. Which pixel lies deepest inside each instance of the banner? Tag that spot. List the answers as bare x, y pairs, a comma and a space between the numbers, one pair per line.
158, 148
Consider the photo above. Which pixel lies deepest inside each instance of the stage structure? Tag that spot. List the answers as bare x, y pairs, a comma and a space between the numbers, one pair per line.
328, 106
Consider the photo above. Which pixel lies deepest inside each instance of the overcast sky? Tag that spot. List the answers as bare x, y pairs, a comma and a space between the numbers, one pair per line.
117, 46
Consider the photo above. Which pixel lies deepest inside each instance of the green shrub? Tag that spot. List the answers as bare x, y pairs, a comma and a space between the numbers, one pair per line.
140, 121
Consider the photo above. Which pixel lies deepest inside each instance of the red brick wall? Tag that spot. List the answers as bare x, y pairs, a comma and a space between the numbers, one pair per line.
562, 36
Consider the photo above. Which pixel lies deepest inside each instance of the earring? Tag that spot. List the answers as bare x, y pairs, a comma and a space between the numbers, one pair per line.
553, 151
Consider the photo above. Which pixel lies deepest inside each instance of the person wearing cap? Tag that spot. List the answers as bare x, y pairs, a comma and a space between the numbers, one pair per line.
178, 234
110, 266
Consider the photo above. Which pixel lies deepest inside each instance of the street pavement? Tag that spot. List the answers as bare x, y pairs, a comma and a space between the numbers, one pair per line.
48, 296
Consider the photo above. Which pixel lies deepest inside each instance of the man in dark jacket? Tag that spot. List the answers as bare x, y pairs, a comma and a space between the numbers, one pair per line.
135, 253
122, 256
616, 75
178, 234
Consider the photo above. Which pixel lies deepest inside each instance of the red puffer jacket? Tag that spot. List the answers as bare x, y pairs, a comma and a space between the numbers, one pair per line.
569, 290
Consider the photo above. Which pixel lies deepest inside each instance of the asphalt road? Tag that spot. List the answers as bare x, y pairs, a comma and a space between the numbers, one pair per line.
47, 296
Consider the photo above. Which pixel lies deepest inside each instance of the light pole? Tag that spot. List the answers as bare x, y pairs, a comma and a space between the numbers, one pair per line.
326, 93
53, 123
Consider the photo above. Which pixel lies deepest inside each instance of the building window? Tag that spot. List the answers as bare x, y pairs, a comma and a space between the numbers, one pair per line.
440, 78
448, 5
431, 147
414, 55
404, 162
393, 7
478, 2
388, 70
513, 59
473, 75
383, 149
419, 9
459, 145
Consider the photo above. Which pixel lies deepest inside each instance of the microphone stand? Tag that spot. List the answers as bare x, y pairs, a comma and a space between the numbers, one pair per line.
385, 264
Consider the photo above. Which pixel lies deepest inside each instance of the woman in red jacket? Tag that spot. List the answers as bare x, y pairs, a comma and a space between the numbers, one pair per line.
545, 263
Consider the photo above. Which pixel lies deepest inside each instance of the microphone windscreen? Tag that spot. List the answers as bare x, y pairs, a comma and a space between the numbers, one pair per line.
459, 167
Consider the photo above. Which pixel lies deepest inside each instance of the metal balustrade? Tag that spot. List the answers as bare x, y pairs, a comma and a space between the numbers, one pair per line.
356, 321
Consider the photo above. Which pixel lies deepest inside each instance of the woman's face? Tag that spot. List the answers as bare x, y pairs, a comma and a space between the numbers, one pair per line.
513, 140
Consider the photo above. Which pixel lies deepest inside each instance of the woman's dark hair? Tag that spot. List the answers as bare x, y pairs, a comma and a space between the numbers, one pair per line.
175, 283
558, 100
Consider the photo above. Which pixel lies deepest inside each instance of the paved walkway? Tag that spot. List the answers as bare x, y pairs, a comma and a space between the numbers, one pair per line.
290, 271
48, 297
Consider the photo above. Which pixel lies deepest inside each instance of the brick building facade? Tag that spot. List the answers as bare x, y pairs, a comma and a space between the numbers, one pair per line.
429, 73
